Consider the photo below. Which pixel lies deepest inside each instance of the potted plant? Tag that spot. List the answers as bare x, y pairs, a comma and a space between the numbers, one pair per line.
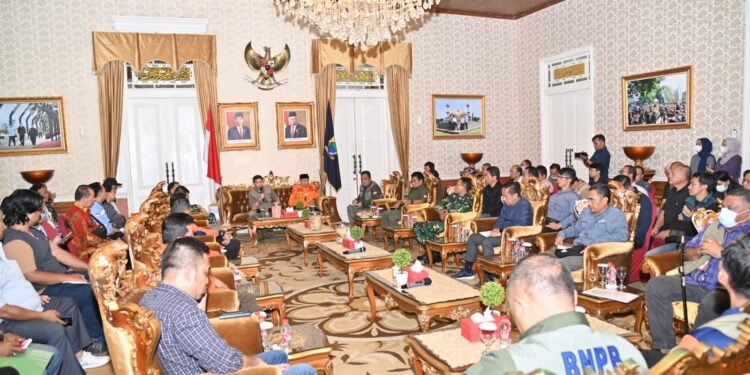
492, 295
357, 232
353, 240
299, 206
306, 216
401, 259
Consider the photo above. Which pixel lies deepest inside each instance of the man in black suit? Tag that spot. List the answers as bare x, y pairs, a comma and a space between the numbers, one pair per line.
294, 130
239, 131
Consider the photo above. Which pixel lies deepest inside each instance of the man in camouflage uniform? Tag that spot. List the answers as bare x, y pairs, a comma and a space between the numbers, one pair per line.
417, 194
459, 201
368, 192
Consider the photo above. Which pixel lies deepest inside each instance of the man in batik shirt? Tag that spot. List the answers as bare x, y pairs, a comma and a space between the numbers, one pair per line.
459, 201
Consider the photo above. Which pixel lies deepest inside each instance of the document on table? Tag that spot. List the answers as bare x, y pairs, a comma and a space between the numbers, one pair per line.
614, 295
486, 233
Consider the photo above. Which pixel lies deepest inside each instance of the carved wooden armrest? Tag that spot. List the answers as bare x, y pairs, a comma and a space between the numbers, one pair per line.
660, 264
249, 342
619, 253
384, 202
545, 241
206, 238
224, 274
483, 224
222, 300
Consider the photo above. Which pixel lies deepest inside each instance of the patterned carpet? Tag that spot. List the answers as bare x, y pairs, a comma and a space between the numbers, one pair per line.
359, 346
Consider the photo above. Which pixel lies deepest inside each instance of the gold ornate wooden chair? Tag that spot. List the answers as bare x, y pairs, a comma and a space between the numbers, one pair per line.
618, 253
392, 188
132, 332
662, 264
538, 196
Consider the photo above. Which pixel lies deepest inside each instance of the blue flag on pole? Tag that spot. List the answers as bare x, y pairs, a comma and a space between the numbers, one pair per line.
330, 153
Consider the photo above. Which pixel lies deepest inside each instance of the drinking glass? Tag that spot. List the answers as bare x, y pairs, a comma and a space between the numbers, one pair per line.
622, 274
265, 327
603, 275
487, 332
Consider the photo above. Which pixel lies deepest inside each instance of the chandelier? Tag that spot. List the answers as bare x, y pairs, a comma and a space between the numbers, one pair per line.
362, 23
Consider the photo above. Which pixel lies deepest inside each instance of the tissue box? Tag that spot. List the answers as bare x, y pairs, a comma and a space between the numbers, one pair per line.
290, 215
470, 330
414, 277
349, 243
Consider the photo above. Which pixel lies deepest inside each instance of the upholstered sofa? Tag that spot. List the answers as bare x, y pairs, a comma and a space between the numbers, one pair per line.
234, 203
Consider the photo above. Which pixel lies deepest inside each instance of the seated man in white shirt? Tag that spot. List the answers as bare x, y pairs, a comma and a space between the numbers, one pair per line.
25, 313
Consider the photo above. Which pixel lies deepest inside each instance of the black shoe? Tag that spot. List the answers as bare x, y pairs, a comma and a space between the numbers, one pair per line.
98, 348
423, 259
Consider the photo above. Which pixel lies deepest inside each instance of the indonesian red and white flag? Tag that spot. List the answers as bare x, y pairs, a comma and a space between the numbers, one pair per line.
211, 152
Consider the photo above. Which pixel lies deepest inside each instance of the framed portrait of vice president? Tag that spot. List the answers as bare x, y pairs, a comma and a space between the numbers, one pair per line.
238, 126
295, 125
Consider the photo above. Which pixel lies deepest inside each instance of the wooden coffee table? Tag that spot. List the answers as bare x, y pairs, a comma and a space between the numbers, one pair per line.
445, 351
367, 222
602, 308
373, 258
397, 233
309, 345
499, 265
445, 297
308, 237
445, 248
254, 224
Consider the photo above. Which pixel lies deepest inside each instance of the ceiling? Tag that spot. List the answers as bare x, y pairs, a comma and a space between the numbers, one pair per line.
506, 9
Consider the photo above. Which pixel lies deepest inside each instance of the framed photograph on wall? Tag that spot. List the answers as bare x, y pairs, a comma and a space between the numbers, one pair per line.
238, 126
32, 126
295, 125
658, 100
458, 116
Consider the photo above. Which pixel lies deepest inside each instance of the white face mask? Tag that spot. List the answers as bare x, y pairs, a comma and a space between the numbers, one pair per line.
721, 188
698, 148
728, 218
723, 149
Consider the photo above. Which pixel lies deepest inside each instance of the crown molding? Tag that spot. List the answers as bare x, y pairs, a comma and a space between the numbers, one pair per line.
164, 25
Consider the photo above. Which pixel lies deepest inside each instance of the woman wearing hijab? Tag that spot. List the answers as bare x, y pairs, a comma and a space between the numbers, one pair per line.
703, 157
730, 160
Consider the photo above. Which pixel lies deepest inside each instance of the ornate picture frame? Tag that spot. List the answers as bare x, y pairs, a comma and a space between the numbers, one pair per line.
658, 100
295, 125
32, 126
458, 117
231, 117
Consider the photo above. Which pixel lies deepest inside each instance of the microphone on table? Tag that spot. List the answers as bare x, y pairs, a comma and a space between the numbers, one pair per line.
425, 282
354, 251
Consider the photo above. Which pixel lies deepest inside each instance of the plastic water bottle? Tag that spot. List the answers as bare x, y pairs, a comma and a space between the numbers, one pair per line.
505, 327
286, 336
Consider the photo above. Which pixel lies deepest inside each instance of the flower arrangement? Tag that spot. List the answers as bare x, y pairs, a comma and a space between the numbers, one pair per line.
401, 258
306, 214
299, 205
356, 232
492, 294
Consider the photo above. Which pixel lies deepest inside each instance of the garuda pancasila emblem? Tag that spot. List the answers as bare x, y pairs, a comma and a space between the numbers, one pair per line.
267, 66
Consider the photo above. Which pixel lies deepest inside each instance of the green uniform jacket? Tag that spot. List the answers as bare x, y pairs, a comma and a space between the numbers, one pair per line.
419, 193
561, 344
367, 194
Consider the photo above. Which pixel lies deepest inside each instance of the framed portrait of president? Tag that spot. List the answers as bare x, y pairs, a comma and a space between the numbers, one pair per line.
238, 126
295, 125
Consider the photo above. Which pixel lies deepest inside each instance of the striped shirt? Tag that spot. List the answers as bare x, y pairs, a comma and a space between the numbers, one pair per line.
189, 344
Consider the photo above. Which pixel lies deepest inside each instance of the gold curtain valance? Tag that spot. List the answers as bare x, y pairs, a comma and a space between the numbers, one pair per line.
331, 51
139, 49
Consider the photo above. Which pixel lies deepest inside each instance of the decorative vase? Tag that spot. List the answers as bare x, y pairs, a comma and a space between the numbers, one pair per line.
639, 154
401, 278
471, 158
316, 220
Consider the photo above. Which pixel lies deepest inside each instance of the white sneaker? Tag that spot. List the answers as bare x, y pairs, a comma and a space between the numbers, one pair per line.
89, 360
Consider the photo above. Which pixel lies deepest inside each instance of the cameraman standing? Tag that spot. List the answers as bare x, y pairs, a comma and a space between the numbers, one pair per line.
601, 156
